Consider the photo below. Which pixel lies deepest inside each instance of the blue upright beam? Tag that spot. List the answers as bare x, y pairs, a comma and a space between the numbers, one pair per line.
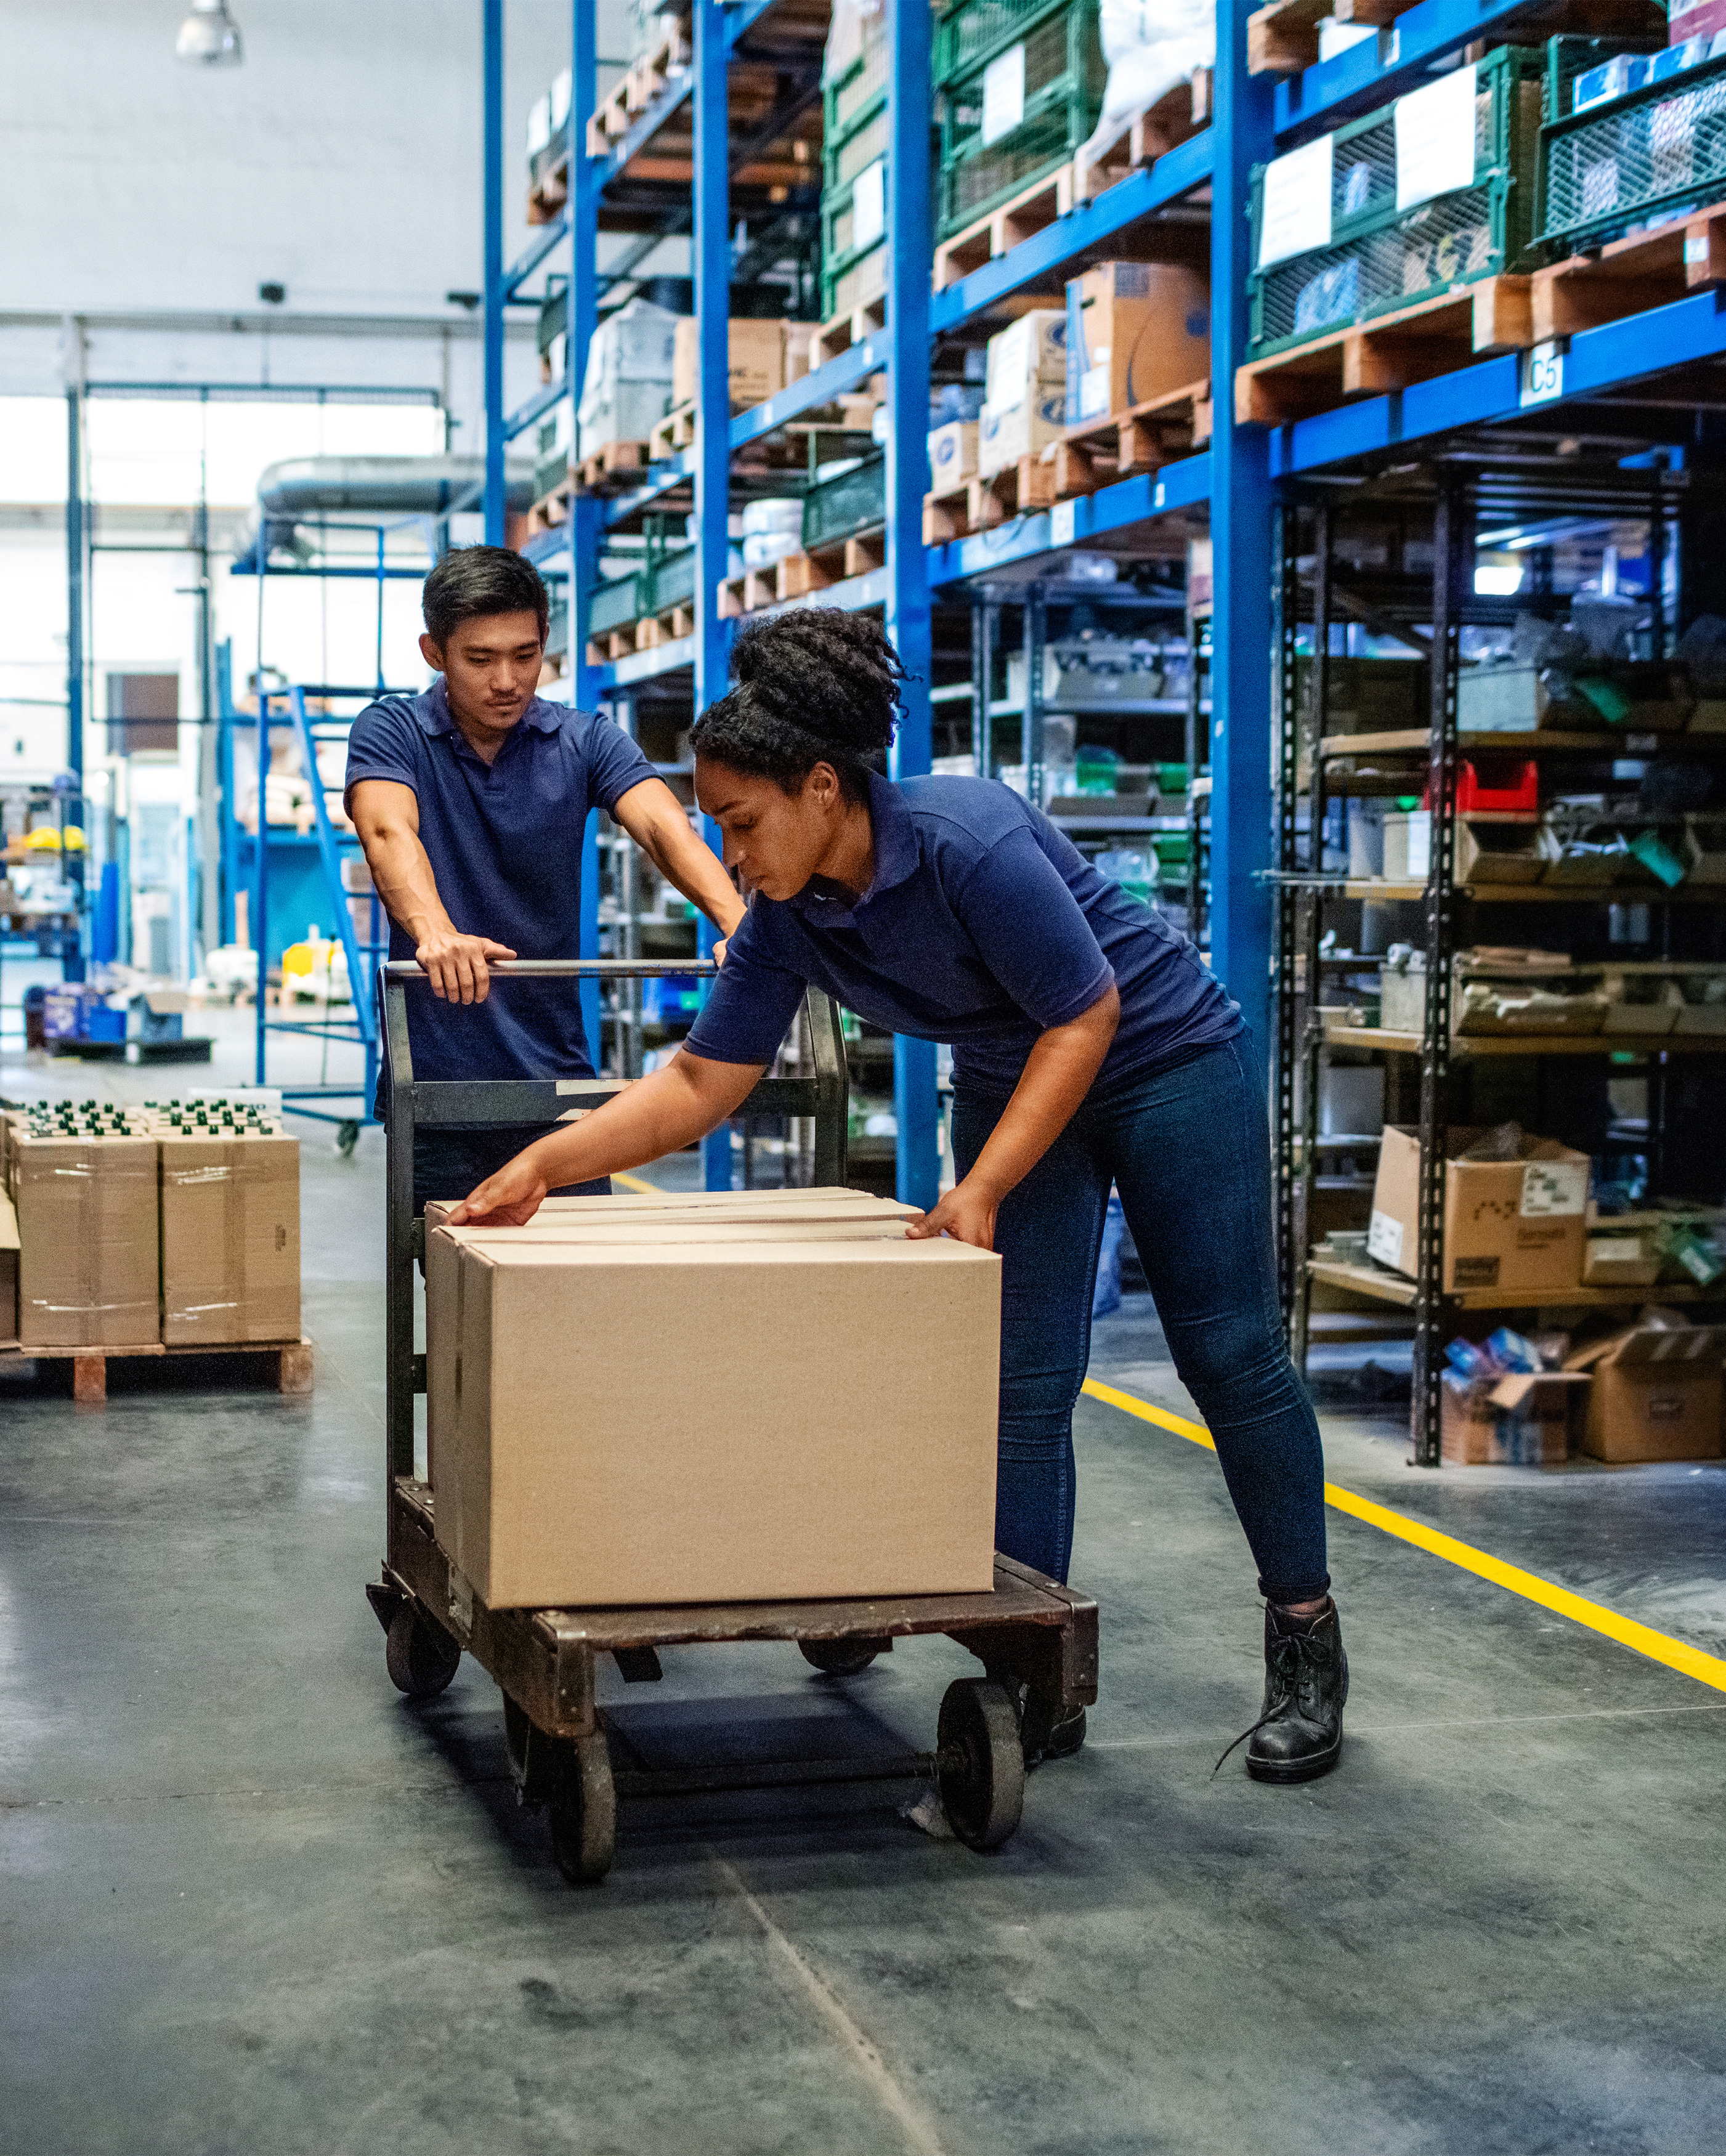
585, 514
1241, 520
494, 271
713, 472
908, 226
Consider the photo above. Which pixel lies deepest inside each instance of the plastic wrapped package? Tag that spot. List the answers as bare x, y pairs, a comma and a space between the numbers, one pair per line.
1151, 46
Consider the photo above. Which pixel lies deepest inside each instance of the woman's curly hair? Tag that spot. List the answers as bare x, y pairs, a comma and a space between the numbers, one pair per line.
813, 686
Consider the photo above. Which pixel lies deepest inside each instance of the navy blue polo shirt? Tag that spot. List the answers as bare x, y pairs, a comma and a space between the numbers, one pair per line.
504, 844
984, 926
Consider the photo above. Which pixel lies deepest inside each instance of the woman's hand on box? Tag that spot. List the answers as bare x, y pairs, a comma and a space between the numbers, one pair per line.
967, 1213
508, 1199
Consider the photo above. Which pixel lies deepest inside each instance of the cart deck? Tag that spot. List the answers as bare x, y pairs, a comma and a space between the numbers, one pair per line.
1035, 1639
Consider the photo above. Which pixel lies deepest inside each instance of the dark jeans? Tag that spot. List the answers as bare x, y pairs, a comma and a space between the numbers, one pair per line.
1189, 1149
449, 1163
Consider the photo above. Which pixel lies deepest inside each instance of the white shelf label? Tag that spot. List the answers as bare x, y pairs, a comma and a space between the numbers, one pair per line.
1159, 500
1294, 212
1434, 138
1002, 94
1063, 519
1543, 374
869, 204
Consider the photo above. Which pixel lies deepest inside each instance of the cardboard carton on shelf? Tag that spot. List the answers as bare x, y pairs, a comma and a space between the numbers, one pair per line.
755, 361
230, 1238
1657, 1391
1135, 331
1518, 1420
953, 453
9, 1271
89, 1215
1515, 1225
821, 1419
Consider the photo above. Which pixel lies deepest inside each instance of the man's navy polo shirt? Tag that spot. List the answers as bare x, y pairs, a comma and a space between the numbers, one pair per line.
984, 926
504, 844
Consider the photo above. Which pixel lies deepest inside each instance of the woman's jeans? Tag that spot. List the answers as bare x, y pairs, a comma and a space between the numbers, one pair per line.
1189, 1149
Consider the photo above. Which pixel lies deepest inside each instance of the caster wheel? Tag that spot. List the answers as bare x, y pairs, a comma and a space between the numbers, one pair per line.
840, 1658
980, 1763
583, 1813
348, 1137
421, 1655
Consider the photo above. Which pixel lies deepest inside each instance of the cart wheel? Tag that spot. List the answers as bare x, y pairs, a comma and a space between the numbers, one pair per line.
421, 1655
348, 1137
981, 1764
584, 1813
840, 1658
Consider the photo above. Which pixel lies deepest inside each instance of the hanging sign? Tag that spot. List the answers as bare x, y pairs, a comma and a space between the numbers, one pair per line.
1434, 138
1294, 209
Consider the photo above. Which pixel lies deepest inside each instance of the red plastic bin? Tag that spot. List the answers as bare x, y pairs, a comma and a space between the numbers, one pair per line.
1475, 796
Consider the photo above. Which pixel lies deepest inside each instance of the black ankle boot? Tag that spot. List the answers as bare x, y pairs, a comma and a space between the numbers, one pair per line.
1300, 1732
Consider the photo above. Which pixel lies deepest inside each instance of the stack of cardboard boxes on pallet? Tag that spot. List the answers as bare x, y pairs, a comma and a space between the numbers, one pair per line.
173, 1226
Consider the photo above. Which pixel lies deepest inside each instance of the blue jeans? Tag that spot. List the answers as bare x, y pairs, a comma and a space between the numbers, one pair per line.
1188, 1149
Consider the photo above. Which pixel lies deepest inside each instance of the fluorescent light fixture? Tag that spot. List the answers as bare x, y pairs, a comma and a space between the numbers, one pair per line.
209, 36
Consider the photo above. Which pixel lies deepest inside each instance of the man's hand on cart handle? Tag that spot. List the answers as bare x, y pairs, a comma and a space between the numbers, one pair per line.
508, 1199
457, 964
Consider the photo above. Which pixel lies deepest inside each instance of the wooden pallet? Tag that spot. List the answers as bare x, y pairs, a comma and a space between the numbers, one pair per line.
89, 1365
628, 98
1140, 439
1160, 128
1032, 210
980, 505
552, 511
617, 469
844, 330
1283, 37
670, 625
1648, 269
676, 431
1366, 359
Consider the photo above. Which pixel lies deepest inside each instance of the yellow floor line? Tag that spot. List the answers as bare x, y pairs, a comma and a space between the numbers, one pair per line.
1642, 1639
638, 1182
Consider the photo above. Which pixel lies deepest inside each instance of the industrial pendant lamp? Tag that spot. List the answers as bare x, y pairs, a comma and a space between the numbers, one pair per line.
209, 36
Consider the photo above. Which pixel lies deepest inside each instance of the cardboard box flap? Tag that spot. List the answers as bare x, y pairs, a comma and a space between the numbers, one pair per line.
614, 1233
1512, 1392
1640, 1345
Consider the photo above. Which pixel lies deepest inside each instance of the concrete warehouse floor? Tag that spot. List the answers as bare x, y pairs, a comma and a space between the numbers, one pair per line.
253, 1901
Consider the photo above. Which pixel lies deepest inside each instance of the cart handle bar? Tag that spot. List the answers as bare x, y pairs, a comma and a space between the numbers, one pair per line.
566, 969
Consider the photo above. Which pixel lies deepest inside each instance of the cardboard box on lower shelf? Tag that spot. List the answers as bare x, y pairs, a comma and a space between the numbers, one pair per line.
230, 1238
1512, 1223
1657, 1391
660, 1419
1520, 1420
88, 1214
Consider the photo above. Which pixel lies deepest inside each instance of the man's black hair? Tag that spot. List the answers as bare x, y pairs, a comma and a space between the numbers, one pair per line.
471, 581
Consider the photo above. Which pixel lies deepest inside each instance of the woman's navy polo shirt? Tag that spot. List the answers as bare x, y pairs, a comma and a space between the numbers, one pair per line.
984, 926
504, 844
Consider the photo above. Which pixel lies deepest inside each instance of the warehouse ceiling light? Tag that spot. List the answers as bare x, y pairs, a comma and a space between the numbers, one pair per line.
210, 36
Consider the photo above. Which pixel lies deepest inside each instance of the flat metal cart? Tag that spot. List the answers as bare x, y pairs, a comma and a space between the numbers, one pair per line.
1035, 1639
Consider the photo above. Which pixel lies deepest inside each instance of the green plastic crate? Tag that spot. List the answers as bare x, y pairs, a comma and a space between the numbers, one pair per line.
1064, 79
842, 507
972, 34
553, 316
864, 144
616, 604
1634, 159
1380, 259
846, 99
670, 581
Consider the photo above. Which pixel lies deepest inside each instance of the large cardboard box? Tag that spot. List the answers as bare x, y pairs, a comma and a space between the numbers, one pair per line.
755, 361
1515, 1421
88, 1214
1657, 1393
230, 1238
1508, 1224
1007, 433
953, 453
659, 1420
1135, 331
1029, 354
8, 1270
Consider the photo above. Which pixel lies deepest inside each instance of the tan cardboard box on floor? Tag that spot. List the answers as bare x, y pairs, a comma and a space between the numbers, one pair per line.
88, 1218
1513, 1225
662, 1420
9, 1271
1657, 1392
230, 1238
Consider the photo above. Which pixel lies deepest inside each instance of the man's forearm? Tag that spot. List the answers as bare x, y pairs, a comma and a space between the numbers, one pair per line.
403, 874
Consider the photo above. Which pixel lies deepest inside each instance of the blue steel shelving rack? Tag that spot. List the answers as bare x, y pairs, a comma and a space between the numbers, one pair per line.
1240, 478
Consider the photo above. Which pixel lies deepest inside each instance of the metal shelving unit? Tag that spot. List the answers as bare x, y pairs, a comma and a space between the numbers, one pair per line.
1648, 384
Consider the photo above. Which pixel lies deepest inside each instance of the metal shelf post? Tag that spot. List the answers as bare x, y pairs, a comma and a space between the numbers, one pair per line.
494, 271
